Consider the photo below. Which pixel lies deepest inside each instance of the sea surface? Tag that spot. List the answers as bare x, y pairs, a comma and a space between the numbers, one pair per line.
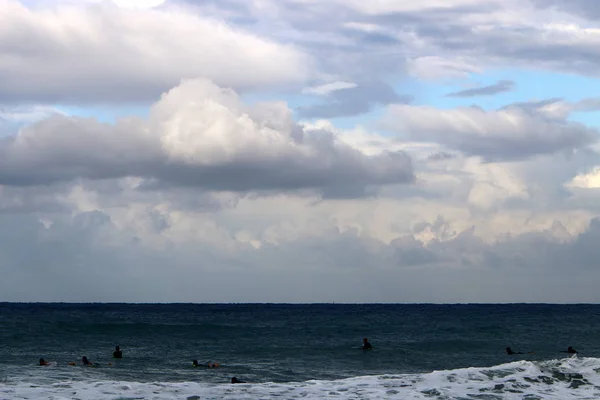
309, 351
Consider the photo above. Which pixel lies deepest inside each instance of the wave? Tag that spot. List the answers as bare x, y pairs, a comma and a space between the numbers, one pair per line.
569, 378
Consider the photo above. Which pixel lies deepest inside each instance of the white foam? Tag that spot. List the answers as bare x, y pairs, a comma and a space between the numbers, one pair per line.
571, 378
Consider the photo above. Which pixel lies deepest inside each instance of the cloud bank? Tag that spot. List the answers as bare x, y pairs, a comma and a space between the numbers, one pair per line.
299, 151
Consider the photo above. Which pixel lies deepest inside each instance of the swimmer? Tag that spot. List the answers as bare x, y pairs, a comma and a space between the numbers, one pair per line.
208, 364
236, 380
570, 350
85, 361
44, 362
510, 352
366, 344
117, 353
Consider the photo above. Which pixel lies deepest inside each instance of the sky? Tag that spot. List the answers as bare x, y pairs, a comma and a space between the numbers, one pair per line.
439, 151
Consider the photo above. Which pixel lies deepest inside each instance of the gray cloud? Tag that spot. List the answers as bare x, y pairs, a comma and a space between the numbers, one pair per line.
197, 135
44, 199
74, 252
14, 118
534, 105
498, 87
354, 101
512, 133
441, 155
581, 8
587, 105
355, 40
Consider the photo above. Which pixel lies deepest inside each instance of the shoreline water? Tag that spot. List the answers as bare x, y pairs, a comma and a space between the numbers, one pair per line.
294, 351
569, 378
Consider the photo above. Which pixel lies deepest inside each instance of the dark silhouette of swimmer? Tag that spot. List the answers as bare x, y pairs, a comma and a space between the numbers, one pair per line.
85, 361
236, 380
366, 344
570, 350
44, 362
208, 364
117, 353
510, 352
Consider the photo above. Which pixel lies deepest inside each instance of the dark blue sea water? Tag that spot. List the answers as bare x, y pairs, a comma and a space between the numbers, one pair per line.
285, 346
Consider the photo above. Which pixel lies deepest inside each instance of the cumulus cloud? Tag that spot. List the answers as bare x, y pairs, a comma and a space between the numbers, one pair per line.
101, 52
197, 134
505, 134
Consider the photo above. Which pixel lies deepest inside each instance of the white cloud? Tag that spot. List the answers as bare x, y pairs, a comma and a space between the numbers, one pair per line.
100, 53
130, 4
589, 180
139, 4
329, 87
198, 134
392, 6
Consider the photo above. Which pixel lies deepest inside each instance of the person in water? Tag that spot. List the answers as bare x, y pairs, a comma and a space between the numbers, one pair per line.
236, 380
117, 353
44, 362
570, 350
366, 344
85, 361
208, 364
510, 352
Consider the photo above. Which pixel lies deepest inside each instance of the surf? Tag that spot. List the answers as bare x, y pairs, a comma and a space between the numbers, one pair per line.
566, 378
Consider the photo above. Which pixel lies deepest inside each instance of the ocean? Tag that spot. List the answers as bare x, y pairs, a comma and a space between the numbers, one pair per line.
293, 351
